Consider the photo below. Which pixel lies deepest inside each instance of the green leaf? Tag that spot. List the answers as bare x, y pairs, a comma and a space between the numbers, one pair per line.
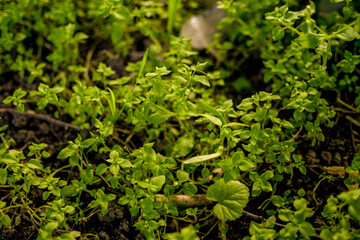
286, 124
265, 96
232, 197
126, 164
246, 104
189, 189
300, 204
122, 14
157, 183
277, 33
49, 227
3, 128
111, 101
172, 11
5, 219
143, 62
158, 118
326, 233
101, 168
285, 215
114, 169
69, 191
110, 197
261, 112
348, 34
203, 158
3, 176
202, 79
34, 164
183, 146
212, 110
245, 165
246, 118
310, 40
182, 175
306, 229
267, 175
20, 108
300, 216
114, 155
226, 164
277, 200
8, 99
66, 152
212, 119
186, 233
297, 115
200, 66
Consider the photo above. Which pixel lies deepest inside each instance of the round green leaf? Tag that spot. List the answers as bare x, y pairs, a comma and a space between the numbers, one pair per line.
232, 197
101, 168
189, 189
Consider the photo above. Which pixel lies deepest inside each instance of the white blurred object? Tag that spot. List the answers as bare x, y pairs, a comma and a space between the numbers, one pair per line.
201, 28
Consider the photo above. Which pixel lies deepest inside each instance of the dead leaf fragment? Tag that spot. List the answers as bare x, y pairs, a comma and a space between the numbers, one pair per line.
335, 170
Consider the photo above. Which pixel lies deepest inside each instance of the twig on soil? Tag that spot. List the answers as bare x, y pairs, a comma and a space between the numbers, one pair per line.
260, 218
28, 143
194, 201
43, 117
4, 197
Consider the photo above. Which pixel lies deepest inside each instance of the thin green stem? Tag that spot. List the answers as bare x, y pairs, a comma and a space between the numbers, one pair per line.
345, 104
353, 120
183, 125
143, 62
288, 26
58, 170
13, 206
30, 210
162, 108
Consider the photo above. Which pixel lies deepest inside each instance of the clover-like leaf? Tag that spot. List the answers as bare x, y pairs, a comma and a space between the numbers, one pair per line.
232, 197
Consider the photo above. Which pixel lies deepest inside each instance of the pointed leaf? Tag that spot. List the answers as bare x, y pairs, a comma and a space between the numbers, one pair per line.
203, 158
310, 40
202, 79
66, 152
212, 110
213, 119
3, 176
